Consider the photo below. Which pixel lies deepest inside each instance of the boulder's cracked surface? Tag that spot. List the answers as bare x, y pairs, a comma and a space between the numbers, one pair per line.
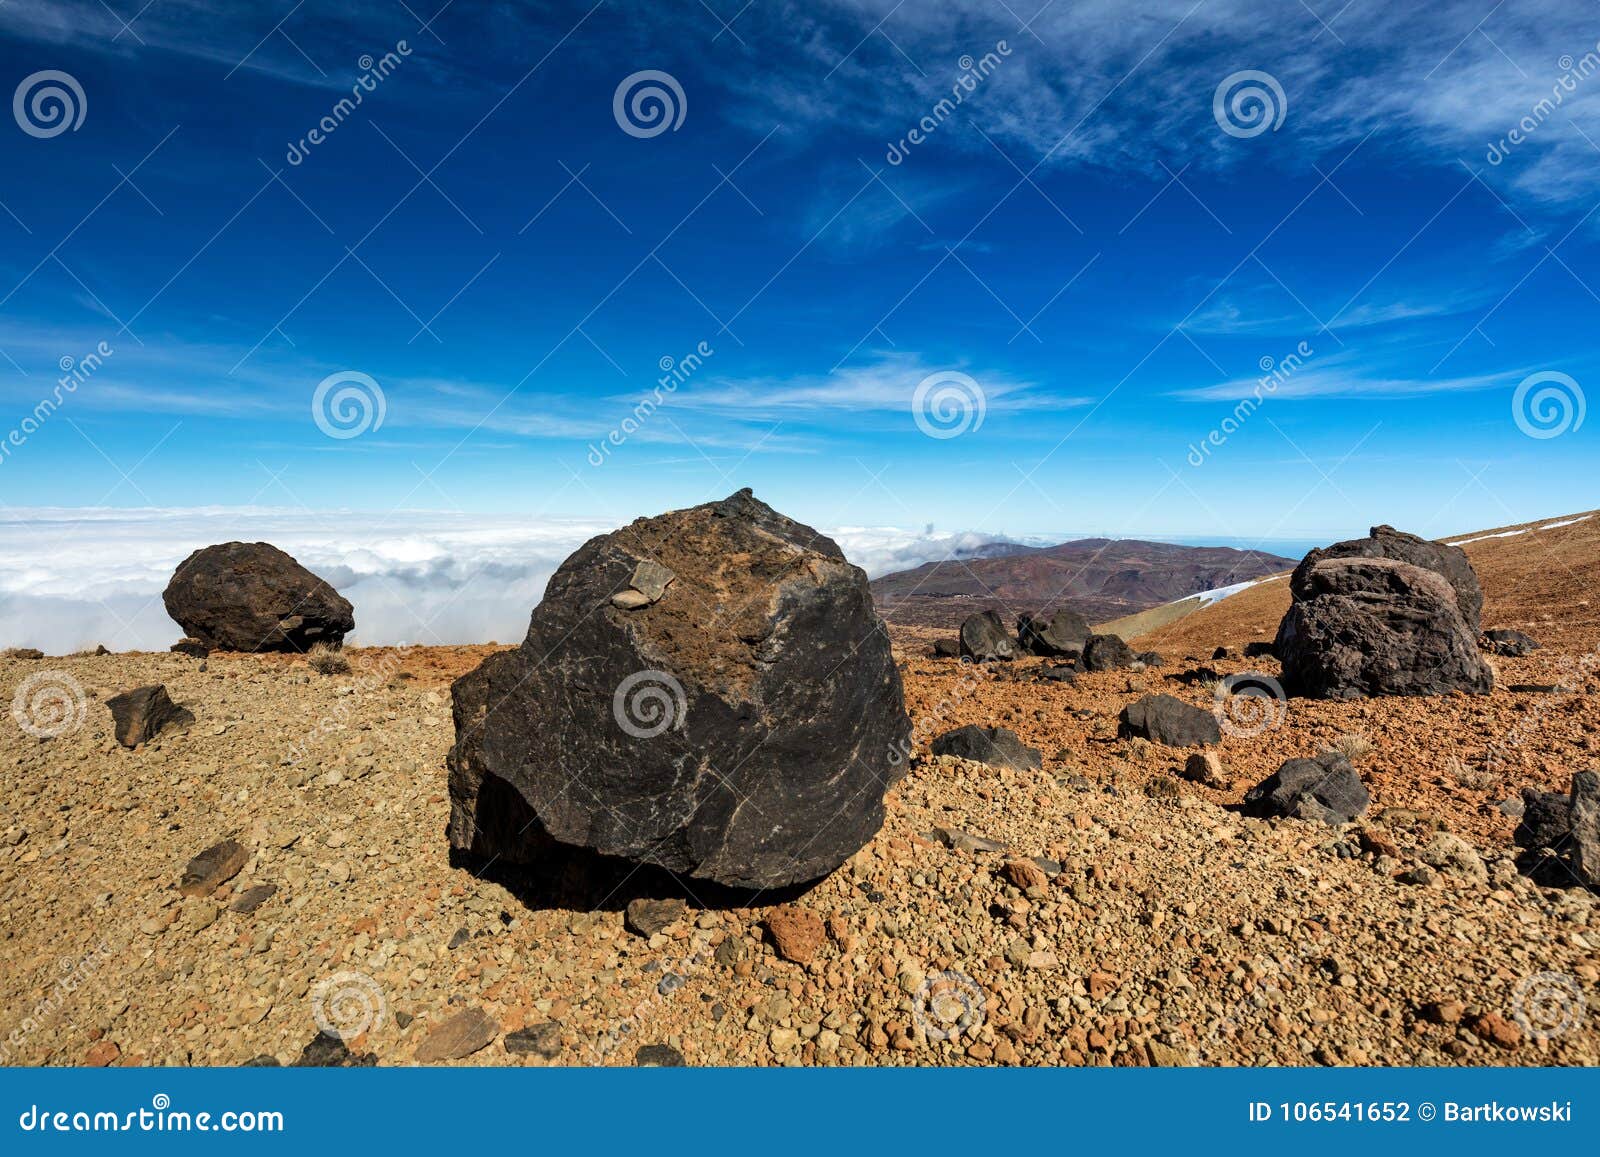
741, 728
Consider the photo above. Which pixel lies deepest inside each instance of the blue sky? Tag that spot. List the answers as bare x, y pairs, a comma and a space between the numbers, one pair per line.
1081, 237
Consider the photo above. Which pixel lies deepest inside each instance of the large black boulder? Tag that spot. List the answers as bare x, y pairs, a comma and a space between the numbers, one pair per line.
1061, 635
740, 726
1326, 788
1374, 626
251, 596
984, 638
1449, 562
1169, 720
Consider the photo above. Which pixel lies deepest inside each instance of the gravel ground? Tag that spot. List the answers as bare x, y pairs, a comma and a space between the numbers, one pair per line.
1132, 919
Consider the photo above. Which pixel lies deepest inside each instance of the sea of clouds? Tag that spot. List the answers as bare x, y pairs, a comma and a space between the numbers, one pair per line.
70, 579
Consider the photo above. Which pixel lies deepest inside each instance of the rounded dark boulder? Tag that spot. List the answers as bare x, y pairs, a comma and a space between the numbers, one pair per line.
984, 638
1374, 626
1448, 562
709, 691
1106, 653
251, 596
1060, 635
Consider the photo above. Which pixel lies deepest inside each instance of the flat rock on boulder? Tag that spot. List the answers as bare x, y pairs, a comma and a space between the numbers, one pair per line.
1106, 653
742, 728
984, 638
138, 715
1169, 720
1374, 626
251, 596
995, 746
1449, 562
1060, 635
1326, 788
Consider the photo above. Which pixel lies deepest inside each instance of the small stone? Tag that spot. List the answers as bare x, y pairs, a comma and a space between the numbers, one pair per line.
1205, 767
212, 868
1025, 874
462, 1035
541, 1040
101, 1054
796, 933
1446, 1012
138, 715
1497, 1030
783, 1039
252, 898
658, 1057
645, 917
730, 952
651, 579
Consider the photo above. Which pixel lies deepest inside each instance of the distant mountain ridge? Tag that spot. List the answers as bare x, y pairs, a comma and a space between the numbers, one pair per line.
1100, 578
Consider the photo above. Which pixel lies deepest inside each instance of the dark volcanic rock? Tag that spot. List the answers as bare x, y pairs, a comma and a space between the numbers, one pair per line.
1503, 641
1258, 649
645, 917
1562, 834
742, 728
1169, 720
947, 648
984, 638
1106, 653
1057, 674
212, 868
1449, 562
1151, 658
1374, 626
324, 1052
140, 713
658, 1057
1060, 636
194, 648
540, 1040
251, 596
1326, 788
996, 746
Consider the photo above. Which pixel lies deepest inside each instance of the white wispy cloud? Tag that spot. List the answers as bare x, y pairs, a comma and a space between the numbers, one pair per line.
1318, 383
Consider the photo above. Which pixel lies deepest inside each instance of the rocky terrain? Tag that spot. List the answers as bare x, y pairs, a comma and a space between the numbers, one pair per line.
1100, 578
1105, 903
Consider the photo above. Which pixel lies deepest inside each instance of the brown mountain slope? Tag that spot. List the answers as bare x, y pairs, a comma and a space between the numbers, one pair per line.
1099, 578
